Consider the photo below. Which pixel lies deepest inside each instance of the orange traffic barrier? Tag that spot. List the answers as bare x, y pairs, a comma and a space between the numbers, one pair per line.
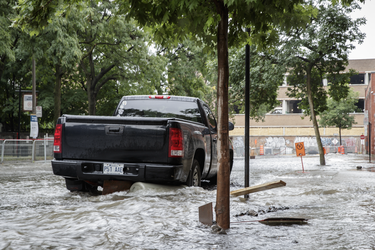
324, 150
261, 152
342, 150
339, 149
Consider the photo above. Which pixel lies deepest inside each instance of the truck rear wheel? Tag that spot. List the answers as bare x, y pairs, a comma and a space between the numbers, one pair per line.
194, 178
75, 185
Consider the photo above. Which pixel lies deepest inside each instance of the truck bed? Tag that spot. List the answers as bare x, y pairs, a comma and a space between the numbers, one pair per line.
116, 139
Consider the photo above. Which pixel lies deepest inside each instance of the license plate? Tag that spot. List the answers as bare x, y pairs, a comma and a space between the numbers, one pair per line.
113, 168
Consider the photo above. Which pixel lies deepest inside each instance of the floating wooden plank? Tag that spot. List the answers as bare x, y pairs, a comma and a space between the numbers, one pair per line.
111, 186
205, 214
258, 188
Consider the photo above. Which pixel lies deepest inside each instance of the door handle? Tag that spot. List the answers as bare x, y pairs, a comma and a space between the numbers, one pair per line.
114, 130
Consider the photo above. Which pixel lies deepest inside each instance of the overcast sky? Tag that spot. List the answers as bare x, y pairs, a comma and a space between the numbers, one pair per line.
367, 49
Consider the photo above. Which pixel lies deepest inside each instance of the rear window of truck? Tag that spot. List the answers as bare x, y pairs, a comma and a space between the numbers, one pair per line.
160, 108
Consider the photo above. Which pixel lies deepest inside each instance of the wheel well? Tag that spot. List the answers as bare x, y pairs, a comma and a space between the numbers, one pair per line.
199, 155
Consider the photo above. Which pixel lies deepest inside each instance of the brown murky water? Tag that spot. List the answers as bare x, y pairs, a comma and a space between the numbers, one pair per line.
38, 212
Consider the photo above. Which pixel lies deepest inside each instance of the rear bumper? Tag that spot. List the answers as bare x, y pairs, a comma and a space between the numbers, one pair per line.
93, 171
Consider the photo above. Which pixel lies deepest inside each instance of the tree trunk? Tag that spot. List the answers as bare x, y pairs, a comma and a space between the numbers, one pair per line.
91, 85
57, 94
91, 97
340, 136
313, 118
222, 197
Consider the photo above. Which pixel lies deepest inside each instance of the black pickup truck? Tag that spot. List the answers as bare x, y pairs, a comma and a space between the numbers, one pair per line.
158, 139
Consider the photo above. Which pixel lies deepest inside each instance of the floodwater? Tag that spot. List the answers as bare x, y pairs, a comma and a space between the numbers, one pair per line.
38, 212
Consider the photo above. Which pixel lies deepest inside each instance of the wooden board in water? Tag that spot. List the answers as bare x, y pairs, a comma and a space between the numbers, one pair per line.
258, 188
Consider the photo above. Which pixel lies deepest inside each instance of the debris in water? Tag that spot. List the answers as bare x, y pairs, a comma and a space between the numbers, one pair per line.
257, 188
262, 211
282, 221
218, 230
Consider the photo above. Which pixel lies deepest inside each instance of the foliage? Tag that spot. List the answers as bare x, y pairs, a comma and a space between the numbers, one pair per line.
186, 69
320, 50
266, 75
338, 112
14, 74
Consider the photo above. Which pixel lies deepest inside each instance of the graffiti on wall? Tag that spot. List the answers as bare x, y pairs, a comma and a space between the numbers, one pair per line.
286, 145
311, 141
276, 142
238, 146
307, 141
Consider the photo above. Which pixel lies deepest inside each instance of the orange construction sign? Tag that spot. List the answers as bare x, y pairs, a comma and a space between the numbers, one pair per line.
300, 149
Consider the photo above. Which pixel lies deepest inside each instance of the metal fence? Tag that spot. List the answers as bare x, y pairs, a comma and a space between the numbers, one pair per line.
26, 149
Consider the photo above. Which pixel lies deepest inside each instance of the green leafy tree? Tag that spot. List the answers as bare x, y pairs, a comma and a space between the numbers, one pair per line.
107, 42
320, 50
266, 75
215, 24
8, 80
15, 75
338, 113
60, 55
186, 70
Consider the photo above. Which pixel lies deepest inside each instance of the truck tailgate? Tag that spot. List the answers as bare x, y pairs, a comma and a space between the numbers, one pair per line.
115, 139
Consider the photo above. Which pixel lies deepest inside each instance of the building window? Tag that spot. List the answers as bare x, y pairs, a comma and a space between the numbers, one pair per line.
292, 107
357, 79
361, 105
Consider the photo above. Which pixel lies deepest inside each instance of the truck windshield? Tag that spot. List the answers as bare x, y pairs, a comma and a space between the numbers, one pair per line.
160, 108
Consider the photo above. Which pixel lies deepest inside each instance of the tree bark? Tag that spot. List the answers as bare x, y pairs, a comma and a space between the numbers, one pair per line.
222, 197
91, 95
313, 117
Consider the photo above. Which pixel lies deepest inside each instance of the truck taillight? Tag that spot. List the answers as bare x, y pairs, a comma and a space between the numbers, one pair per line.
57, 139
159, 97
176, 143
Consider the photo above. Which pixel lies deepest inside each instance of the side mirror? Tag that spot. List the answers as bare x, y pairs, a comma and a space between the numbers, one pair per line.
231, 126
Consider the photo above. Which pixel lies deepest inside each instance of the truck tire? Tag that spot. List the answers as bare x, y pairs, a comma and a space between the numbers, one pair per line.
194, 178
75, 185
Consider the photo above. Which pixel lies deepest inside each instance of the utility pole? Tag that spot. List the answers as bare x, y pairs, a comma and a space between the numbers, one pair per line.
247, 116
34, 87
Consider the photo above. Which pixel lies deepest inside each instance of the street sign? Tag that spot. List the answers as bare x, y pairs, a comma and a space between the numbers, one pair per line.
34, 129
300, 149
27, 102
38, 111
362, 137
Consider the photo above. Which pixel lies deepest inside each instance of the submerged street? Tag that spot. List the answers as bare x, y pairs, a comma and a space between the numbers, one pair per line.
38, 212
